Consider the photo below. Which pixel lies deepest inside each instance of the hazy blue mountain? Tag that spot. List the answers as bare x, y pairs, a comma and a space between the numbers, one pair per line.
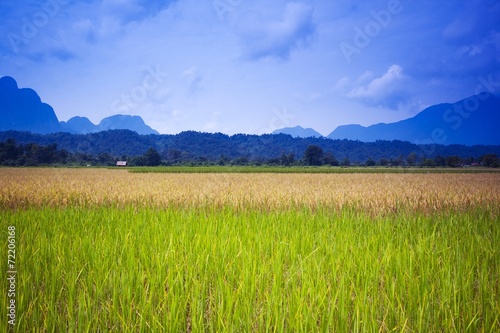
79, 125
133, 123
82, 125
23, 110
472, 121
298, 132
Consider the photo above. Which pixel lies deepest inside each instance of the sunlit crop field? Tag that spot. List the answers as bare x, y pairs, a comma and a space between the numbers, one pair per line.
108, 250
369, 193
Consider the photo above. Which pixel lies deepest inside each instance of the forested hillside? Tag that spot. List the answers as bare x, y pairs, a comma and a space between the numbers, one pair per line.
199, 147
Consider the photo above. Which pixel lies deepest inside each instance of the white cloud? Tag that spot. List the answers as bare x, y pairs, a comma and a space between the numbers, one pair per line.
342, 84
366, 76
276, 38
379, 86
386, 91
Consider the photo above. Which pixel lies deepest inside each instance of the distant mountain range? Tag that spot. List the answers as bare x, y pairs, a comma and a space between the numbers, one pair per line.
82, 125
23, 110
472, 121
298, 132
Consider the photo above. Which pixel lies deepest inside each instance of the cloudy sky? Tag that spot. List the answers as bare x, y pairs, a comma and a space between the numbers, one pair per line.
250, 66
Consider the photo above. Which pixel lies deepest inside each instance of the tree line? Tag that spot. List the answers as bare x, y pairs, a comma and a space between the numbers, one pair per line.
314, 155
197, 147
32, 154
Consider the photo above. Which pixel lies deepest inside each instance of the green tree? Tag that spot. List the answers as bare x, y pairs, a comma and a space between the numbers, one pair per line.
330, 159
439, 160
490, 160
240, 161
313, 155
370, 162
452, 161
152, 157
412, 159
105, 159
174, 154
428, 163
9, 151
223, 160
399, 161
287, 159
346, 162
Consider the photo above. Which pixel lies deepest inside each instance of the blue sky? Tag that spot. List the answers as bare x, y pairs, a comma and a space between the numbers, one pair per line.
241, 66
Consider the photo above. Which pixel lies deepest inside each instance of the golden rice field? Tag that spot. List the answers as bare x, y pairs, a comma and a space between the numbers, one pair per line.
102, 250
373, 193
